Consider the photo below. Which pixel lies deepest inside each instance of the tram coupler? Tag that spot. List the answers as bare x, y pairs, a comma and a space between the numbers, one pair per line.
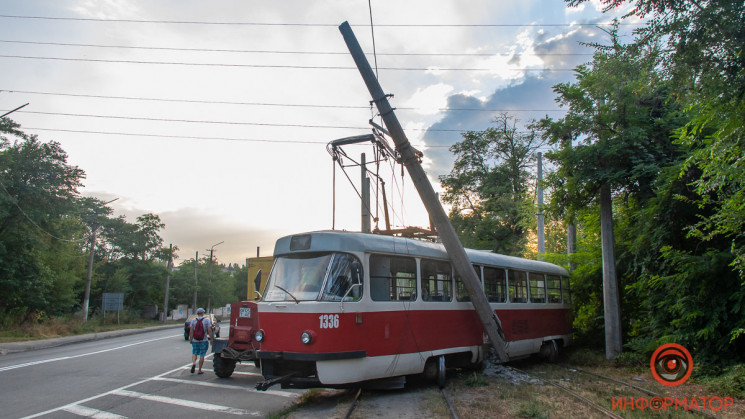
264, 385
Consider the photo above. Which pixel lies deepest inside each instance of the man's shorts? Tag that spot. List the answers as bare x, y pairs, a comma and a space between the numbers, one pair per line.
199, 347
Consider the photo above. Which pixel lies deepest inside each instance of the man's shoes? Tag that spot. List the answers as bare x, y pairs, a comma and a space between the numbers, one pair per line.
193, 367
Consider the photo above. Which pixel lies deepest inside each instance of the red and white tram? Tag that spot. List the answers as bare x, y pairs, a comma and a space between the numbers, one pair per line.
342, 309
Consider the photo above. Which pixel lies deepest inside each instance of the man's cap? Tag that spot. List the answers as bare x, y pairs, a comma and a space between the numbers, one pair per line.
200, 310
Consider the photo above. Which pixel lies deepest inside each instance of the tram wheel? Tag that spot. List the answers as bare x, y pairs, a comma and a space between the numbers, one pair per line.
441, 371
550, 351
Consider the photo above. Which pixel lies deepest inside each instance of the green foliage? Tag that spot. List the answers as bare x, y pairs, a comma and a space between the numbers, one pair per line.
534, 409
473, 379
45, 231
38, 256
664, 127
489, 187
221, 287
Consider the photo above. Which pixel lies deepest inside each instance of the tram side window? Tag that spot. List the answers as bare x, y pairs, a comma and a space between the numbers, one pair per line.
494, 284
565, 292
553, 288
436, 281
537, 288
518, 287
461, 292
392, 278
344, 280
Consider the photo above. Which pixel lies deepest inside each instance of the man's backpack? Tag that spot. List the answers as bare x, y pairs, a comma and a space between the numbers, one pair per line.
199, 329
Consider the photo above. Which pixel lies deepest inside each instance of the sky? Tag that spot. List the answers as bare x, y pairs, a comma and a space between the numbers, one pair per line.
215, 115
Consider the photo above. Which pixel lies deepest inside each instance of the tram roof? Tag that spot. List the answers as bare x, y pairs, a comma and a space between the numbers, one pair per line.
345, 241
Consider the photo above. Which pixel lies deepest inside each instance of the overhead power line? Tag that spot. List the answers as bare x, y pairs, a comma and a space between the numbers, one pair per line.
310, 24
192, 121
257, 51
275, 66
189, 137
298, 105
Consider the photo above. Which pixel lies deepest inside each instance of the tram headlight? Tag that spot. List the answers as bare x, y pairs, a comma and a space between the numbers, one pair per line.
259, 336
306, 337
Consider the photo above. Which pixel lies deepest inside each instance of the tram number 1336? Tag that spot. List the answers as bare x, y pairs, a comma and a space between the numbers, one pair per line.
329, 321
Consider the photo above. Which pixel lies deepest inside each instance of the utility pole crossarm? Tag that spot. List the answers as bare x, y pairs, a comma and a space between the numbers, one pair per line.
453, 246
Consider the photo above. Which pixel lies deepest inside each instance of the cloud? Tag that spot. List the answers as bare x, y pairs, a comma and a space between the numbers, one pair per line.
196, 230
530, 97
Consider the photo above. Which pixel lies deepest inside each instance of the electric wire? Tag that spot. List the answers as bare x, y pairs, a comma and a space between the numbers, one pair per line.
274, 66
279, 52
15, 204
372, 32
310, 24
187, 137
183, 137
192, 121
269, 104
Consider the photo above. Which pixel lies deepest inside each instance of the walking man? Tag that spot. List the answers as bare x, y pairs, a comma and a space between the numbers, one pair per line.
200, 335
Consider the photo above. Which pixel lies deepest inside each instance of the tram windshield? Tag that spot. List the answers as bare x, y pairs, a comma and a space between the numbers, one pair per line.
315, 276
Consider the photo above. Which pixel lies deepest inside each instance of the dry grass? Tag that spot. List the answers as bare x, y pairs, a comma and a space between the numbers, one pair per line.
497, 397
55, 327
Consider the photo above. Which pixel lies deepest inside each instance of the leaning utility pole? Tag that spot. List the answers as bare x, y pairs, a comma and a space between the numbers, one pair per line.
450, 239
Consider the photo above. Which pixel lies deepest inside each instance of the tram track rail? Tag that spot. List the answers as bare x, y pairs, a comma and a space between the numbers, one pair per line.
572, 393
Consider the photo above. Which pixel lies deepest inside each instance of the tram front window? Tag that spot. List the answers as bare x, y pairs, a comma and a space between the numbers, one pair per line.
301, 277
297, 277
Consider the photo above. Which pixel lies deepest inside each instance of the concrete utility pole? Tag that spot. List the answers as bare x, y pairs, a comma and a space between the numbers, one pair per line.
94, 228
612, 308
450, 239
365, 195
541, 227
196, 265
168, 282
571, 240
209, 286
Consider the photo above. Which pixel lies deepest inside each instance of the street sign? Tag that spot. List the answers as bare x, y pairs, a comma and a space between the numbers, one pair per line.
113, 301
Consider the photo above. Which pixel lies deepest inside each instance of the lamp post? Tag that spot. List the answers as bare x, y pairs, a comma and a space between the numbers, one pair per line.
209, 291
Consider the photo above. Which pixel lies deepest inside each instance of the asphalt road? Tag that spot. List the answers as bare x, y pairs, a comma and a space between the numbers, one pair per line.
138, 376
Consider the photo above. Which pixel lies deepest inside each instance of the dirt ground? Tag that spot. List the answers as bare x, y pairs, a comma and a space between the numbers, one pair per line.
504, 392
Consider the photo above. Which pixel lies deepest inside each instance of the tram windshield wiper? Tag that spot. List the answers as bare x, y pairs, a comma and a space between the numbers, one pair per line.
288, 293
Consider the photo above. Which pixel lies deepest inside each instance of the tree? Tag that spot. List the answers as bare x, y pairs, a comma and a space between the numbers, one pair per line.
39, 260
490, 184
691, 228
621, 116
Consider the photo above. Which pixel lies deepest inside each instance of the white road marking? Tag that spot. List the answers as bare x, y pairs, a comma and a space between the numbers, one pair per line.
159, 377
56, 409
255, 374
44, 361
186, 403
228, 386
92, 413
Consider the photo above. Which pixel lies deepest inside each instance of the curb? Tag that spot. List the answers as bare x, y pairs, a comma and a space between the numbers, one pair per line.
32, 345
